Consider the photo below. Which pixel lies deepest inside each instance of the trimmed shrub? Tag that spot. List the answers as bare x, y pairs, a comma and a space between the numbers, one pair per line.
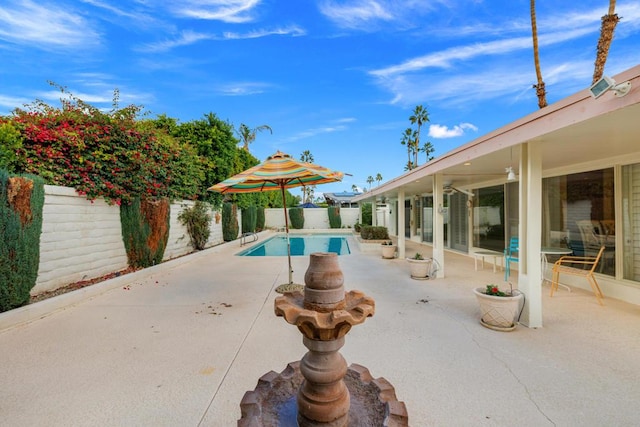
21, 202
335, 221
249, 219
296, 215
145, 230
369, 232
366, 214
260, 220
229, 222
197, 219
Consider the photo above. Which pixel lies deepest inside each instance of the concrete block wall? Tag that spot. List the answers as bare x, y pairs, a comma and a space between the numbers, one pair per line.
82, 240
314, 218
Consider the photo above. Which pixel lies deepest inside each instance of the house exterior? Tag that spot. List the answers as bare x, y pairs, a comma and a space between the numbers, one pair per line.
343, 199
576, 186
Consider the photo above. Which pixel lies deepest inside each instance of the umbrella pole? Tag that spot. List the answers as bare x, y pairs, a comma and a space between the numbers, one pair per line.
286, 227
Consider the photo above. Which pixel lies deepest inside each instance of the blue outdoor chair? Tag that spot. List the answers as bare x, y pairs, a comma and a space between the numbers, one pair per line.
510, 255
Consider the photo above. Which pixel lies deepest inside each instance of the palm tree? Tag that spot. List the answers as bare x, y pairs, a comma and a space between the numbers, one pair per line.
609, 22
540, 90
248, 135
369, 181
420, 116
427, 149
408, 138
307, 191
378, 178
354, 188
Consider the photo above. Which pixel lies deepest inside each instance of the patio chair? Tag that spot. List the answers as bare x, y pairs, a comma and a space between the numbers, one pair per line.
510, 255
566, 265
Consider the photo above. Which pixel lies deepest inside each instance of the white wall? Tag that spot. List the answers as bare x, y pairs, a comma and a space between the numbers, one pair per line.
314, 218
82, 240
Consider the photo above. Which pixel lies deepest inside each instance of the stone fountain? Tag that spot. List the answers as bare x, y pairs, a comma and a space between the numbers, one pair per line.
320, 390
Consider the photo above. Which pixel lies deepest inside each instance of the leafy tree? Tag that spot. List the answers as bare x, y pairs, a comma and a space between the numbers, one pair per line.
248, 135
10, 142
109, 155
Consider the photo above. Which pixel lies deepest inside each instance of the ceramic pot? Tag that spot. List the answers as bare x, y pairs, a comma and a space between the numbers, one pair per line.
499, 313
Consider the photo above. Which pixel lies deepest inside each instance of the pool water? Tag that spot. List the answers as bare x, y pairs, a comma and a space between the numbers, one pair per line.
300, 246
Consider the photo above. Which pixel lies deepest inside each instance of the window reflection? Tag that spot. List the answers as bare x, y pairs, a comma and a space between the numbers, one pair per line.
579, 213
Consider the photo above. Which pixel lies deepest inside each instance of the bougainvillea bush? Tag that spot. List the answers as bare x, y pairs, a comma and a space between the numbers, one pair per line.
109, 155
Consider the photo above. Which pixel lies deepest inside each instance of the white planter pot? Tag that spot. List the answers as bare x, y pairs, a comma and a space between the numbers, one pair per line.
388, 251
499, 313
419, 268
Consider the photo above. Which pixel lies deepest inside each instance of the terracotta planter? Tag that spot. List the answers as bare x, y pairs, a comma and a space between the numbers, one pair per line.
499, 313
419, 268
388, 251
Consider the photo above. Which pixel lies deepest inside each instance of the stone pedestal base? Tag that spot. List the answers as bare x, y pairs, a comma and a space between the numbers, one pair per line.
273, 402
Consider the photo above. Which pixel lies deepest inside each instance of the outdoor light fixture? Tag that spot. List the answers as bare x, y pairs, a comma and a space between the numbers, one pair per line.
600, 87
511, 175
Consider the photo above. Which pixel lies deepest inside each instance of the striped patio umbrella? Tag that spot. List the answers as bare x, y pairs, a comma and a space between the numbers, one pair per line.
279, 172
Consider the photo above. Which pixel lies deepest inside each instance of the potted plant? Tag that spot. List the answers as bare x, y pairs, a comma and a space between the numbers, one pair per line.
388, 249
420, 267
499, 310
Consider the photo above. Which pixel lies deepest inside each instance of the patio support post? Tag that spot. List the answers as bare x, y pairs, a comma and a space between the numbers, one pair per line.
530, 232
438, 224
400, 225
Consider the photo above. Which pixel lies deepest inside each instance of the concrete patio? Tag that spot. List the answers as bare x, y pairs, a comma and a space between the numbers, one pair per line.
180, 343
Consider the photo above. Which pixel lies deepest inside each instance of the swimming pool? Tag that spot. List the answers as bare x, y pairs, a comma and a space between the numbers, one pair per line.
300, 245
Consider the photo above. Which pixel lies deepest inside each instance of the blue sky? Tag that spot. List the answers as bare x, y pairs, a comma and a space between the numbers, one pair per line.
337, 78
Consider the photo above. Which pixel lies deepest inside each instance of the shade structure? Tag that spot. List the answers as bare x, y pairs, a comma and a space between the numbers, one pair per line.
279, 172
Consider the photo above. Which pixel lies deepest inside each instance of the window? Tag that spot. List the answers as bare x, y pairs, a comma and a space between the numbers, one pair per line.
488, 218
631, 221
578, 211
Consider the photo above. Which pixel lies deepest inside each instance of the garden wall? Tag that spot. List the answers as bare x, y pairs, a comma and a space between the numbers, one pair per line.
82, 240
314, 218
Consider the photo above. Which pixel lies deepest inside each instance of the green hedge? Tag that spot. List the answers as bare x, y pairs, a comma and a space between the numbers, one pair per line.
21, 202
369, 232
229, 222
145, 230
260, 220
249, 219
335, 221
296, 215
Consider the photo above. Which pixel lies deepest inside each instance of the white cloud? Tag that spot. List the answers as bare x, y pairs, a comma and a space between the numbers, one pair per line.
188, 37
442, 131
230, 11
11, 102
356, 14
185, 38
242, 89
45, 26
294, 31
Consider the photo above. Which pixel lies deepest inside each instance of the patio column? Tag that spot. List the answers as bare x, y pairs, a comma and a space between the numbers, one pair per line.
400, 229
530, 234
438, 224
